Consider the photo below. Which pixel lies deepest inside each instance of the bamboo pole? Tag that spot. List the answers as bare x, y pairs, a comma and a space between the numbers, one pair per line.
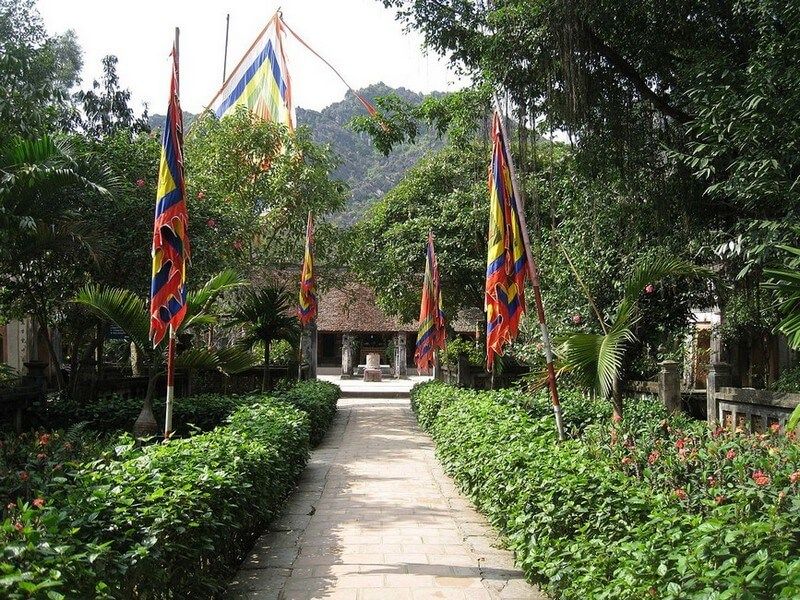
533, 272
225, 55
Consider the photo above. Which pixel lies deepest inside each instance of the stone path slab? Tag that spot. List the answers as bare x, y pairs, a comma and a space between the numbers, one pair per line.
376, 517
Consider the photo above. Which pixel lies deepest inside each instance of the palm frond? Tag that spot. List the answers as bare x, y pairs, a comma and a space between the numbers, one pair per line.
235, 360
198, 303
123, 308
198, 358
786, 284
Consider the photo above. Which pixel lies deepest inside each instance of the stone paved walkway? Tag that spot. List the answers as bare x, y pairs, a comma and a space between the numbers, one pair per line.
375, 517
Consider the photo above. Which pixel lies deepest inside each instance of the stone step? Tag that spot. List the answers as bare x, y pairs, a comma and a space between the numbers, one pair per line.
377, 393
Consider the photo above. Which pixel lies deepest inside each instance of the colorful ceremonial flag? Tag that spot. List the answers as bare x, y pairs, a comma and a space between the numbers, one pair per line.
170, 229
307, 310
506, 264
431, 333
260, 81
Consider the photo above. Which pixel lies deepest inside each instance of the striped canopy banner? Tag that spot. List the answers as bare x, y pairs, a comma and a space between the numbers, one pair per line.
260, 81
170, 229
307, 309
431, 333
506, 264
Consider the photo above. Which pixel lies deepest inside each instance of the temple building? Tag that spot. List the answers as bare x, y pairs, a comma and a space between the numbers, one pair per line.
350, 325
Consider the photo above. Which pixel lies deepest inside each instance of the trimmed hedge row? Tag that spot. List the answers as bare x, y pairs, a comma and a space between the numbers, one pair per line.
318, 399
656, 507
167, 520
203, 411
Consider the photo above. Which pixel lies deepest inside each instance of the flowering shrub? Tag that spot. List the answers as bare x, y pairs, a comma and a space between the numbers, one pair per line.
656, 507
117, 520
159, 518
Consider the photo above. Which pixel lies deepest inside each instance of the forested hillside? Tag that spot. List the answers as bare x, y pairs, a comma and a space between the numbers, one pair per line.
368, 173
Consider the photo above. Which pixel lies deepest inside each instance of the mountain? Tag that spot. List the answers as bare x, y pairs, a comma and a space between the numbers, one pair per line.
368, 173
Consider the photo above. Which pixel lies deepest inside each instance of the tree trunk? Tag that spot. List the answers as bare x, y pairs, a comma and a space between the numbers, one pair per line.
266, 380
51, 351
616, 400
146, 425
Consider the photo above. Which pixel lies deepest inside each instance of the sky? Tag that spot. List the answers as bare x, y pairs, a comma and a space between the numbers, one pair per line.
360, 38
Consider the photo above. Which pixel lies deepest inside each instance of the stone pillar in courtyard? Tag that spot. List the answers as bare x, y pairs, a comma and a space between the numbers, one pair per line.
347, 355
669, 386
400, 355
719, 376
308, 349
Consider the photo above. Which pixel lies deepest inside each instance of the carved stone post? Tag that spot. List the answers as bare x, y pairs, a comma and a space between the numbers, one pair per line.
669, 386
400, 355
719, 376
308, 349
347, 355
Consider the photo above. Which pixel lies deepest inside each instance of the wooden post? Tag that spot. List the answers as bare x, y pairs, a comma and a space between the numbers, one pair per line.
533, 272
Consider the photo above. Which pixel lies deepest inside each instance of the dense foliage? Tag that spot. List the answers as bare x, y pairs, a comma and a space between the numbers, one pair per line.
139, 521
655, 507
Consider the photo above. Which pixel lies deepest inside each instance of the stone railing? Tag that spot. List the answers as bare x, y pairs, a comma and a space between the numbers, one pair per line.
747, 409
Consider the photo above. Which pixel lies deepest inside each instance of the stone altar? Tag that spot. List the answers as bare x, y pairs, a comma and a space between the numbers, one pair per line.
372, 372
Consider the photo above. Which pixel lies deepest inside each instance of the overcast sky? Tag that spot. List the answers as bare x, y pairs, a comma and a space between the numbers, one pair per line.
359, 37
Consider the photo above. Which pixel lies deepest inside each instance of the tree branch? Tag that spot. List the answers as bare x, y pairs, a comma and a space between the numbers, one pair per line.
627, 70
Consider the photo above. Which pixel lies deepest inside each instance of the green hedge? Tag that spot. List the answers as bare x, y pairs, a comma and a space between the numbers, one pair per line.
166, 520
318, 399
656, 507
116, 413
203, 411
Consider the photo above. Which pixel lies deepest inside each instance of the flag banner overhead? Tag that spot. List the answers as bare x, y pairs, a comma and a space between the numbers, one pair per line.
260, 81
506, 264
170, 228
431, 333
307, 310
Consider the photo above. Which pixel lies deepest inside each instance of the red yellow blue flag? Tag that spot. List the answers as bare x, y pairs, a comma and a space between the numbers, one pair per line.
431, 333
170, 229
506, 264
261, 80
307, 310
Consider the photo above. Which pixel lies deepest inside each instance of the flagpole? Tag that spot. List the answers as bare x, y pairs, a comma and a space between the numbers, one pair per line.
170, 383
225, 55
171, 342
533, 271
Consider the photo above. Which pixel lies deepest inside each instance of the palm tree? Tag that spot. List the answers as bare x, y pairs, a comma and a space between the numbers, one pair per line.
129, 312
596, 359
267, 315
43, 231
786, 283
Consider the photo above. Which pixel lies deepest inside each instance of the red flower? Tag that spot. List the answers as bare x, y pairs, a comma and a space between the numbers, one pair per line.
731, 454
649, 288
680, 443
720, 499
211, 223
712, 481
140, 183
44, 439
38, 502
794, 477
237, 244
19, 526
23, 475
11, 506
201, 195
718, 432
760, 478
41, 456
627, 460
775, 427
681, 494
654, 456
577, 319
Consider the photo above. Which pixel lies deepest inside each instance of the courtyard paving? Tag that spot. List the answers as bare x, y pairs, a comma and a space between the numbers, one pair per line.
375, 517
